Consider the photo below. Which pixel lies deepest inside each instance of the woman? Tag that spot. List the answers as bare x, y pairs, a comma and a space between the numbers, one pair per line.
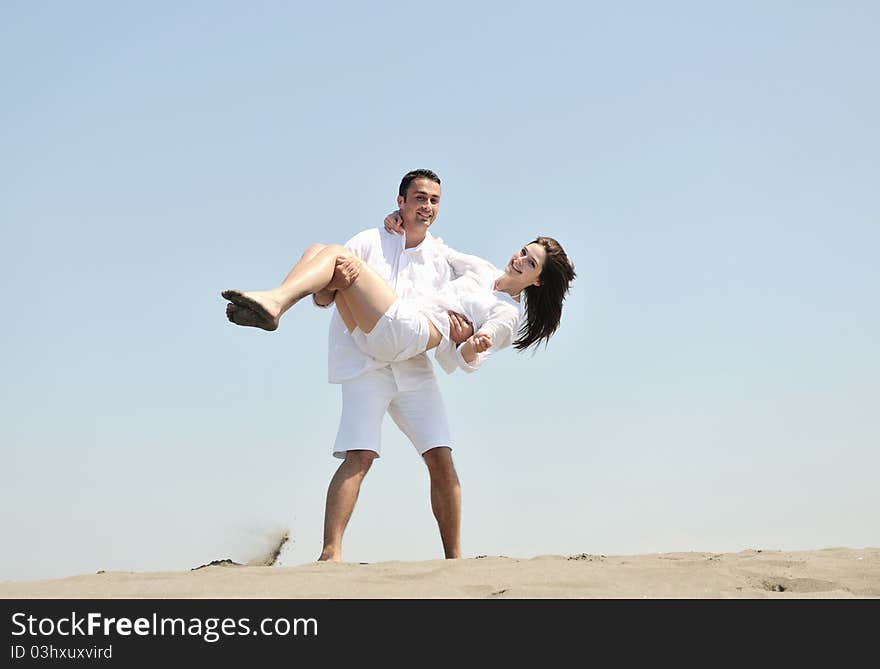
391, 329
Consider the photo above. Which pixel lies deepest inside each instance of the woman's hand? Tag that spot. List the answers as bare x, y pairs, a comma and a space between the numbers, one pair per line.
474, 345
394, 223
482, 342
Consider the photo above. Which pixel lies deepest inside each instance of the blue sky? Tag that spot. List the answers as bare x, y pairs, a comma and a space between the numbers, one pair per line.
712, 171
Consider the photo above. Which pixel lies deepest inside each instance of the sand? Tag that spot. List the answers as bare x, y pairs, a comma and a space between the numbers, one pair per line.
839, 573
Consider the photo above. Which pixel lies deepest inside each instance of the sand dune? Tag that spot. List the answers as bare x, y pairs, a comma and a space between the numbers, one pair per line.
824, 573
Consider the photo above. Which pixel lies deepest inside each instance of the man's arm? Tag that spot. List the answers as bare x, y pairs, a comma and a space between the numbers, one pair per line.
344, 274
460, 328
324, 298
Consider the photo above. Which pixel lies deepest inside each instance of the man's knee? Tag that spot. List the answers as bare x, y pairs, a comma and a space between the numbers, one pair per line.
361, 460
439, 461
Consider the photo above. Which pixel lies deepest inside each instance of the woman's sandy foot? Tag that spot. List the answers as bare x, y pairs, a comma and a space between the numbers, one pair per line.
252, 309
244, 317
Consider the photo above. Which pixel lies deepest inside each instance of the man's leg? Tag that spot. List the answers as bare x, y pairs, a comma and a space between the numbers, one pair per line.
421, 416
358, 441
445, 498
341, 497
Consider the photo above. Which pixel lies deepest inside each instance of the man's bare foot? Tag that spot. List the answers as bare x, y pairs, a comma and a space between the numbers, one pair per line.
255, 309
329, 556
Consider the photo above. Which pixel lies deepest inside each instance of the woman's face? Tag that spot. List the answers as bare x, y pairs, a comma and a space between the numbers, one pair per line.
525, 265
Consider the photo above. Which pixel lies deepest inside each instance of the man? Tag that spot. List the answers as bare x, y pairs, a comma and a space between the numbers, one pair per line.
413, 264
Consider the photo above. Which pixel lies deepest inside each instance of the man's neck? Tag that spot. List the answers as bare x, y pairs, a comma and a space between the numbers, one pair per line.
415, 237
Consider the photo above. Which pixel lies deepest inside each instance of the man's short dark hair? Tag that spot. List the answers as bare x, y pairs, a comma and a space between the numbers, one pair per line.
409, 177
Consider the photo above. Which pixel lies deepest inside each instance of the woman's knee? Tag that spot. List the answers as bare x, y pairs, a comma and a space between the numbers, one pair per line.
328, 249
336, 250
313, 250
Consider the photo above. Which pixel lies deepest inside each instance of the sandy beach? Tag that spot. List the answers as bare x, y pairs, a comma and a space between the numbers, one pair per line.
840, 573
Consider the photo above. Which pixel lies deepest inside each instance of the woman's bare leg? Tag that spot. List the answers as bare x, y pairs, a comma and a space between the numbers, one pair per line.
368, 297
360, 305
365, 301
264, 308
251, 315
434, 337
344, 312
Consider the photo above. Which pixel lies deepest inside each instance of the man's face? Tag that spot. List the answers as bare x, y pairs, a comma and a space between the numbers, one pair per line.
421, 204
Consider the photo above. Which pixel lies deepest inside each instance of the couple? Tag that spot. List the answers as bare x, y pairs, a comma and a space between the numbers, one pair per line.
400, 292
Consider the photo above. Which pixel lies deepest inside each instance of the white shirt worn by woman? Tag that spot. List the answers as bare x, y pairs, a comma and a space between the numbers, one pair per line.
472, 294
403, 330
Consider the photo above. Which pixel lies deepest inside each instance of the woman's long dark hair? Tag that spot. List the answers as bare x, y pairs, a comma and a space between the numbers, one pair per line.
544, 302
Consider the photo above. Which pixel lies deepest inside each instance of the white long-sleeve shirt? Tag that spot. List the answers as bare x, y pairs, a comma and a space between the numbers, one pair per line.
473, 294
412, 273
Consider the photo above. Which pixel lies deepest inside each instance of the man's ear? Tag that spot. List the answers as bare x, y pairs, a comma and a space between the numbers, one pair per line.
400, 201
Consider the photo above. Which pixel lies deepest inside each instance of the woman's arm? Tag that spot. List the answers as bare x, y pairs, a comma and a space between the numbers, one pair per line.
478, 343
465, 263
495, 334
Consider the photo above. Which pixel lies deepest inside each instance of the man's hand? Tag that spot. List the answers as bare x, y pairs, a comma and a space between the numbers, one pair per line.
460, 328
394, 223
344, 273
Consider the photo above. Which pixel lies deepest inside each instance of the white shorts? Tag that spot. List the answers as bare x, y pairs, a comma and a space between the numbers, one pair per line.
400, 333
419, 414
